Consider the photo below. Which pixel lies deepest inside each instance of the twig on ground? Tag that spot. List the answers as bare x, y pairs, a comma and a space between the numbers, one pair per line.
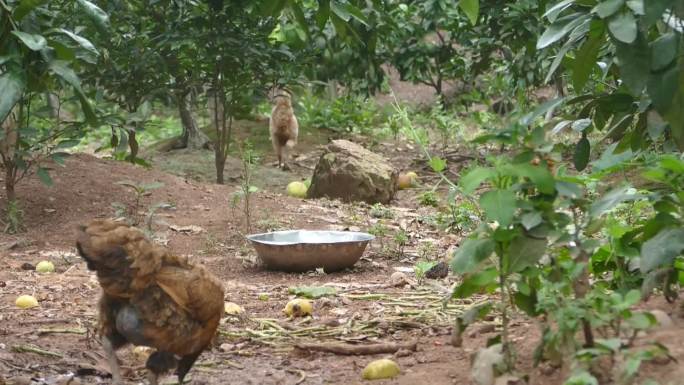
357, 350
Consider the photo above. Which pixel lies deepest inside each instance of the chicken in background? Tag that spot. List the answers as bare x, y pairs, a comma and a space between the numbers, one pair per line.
150, 298
283, 126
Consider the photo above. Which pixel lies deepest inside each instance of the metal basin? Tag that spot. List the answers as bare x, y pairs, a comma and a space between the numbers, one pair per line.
303, 250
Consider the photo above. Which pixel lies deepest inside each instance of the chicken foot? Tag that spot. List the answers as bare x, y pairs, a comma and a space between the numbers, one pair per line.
113, 361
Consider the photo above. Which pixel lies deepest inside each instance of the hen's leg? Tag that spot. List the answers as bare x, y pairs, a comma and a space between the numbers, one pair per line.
113, 362
184, 366
158, 363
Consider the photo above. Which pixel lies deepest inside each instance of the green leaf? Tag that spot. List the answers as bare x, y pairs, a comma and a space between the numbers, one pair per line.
581, 378
608, 8
587, 56
475, 283
612, 199
635, 64
44, 176
323, 13
96, 15
355, 13
32, 41
541, 110
12, 85
569, 189
662, 88
663, 51
524, 252
67, 144
623, 26
654, 10
539, 175
474, 178
312, 292
561, 28
553, 12
641, 321
25, 7
662, 249
531, 220
581, 156
299, 16
471, 9
61, 69
83, 42
437, 164
471, 253
499, 205
637, 6
340, 11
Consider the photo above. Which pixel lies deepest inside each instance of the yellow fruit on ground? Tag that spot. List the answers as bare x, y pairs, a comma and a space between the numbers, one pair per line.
297, 190
413, 176
404, 181
26, 302
233, 308
142, 353
298, 308
380, 369
45, 267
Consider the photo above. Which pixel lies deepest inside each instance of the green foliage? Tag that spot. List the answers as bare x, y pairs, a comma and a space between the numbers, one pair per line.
640, 44
346, 114
429, 198
40, 53
136, 213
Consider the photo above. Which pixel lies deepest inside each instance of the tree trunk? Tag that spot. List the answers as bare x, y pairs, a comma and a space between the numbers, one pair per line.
192, 137
220, 160
332, 89
53, 104
8, 145
133, 144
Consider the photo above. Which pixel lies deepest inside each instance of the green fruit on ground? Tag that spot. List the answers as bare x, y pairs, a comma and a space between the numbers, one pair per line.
26, 302
380, 369
45, 267
296, 190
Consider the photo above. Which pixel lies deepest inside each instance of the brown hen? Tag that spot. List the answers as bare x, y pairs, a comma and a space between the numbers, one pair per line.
150, 298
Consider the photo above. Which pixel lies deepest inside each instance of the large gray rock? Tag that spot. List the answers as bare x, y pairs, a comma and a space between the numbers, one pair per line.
351, 173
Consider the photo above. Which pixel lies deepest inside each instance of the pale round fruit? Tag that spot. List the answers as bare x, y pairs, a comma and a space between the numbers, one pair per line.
45, 267
404, 182
298, 308
413, 176
26, 301
296, 190
233, 308
379, 369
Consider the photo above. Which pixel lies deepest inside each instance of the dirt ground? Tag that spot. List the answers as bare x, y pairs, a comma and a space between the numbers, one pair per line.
53, 342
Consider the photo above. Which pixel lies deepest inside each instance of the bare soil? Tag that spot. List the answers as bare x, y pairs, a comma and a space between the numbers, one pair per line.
54, 341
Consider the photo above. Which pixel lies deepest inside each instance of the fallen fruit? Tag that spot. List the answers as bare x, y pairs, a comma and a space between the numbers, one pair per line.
404, 182
45, 267
142, 353
379, 369
298, 308
26, 302
413, 176
297, 190
233, 308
